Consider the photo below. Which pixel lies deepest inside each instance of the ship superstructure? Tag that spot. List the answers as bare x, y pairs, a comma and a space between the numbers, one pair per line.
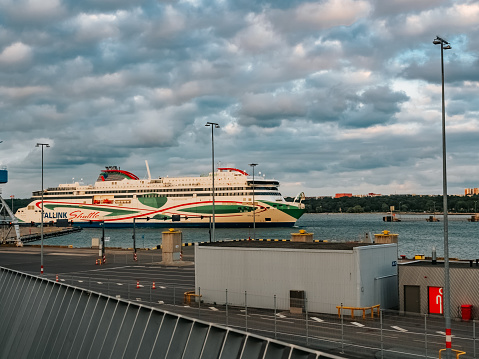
118, 196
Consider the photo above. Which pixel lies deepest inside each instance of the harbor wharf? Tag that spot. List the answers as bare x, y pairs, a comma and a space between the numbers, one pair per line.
33, 233
145, 281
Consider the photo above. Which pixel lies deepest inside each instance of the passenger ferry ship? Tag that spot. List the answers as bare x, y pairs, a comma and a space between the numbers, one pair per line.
120, 198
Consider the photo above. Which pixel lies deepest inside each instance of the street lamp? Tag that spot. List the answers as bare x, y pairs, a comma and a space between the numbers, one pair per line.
134, 239
446, 294
42, 145
254, 205
103, 255
213, 125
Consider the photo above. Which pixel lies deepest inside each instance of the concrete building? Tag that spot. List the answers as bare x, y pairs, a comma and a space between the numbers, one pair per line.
421, 282
328, 274
471, 191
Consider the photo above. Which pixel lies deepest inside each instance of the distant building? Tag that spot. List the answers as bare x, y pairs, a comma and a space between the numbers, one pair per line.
471, 191
339, 195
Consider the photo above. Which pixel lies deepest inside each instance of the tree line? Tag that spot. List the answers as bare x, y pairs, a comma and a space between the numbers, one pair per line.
401, 203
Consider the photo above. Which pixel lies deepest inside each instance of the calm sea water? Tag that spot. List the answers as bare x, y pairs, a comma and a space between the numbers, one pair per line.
416, 235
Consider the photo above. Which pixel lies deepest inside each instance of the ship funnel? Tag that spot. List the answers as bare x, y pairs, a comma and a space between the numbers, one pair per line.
434, 260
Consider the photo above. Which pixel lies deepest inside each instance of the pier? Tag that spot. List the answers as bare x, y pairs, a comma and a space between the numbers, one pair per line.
31, 234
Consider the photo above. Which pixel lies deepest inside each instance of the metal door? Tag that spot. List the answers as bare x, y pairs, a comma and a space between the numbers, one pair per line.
412, 298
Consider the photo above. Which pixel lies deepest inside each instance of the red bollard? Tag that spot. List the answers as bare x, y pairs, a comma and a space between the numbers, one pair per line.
56, 278
153, 286
138, 284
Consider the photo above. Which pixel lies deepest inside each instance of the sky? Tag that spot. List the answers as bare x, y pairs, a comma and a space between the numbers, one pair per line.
325, 96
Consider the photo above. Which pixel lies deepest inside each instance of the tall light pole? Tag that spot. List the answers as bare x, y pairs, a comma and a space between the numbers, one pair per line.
446, 293
42, 145
213, 125
254, 205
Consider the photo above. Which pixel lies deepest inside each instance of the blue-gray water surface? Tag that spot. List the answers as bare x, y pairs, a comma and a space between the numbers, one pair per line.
416, 235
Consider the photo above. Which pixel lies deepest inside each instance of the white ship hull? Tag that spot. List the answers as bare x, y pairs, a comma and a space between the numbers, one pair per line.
165, 202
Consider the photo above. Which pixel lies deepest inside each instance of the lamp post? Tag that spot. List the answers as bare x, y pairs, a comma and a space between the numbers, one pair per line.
42, 145
103, 255
446, 293
254, 205
213, 125
134, 239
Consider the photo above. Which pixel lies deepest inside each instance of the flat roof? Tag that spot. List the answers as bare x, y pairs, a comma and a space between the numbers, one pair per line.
289, 244
440, 264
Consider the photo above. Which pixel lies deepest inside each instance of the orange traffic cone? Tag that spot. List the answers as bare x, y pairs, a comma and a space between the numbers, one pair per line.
137, 284
153, 286
57, 278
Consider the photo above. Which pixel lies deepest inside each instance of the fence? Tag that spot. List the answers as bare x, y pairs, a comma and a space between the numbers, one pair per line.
43, 318
390, 334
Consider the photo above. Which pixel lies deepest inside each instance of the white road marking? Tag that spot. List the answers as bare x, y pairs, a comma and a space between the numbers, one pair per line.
213, 308
357, 324
67, 254
280, 315
444, 333
138, 299
317, 319
162, 287
100, 282
161, 302
399, 328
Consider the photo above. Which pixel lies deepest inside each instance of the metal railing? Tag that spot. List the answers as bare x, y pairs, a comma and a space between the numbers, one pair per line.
390, 335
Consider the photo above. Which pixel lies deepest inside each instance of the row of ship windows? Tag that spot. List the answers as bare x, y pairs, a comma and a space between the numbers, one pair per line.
162, 192
209, 194
153, 195
39, 193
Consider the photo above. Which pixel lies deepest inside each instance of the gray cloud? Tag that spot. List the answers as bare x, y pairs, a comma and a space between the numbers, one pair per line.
333, 95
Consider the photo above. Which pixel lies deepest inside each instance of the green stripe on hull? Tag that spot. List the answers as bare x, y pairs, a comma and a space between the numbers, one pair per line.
293, 211
219, 209
154, 202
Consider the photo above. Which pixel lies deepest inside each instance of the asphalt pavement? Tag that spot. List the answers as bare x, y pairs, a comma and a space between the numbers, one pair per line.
147, 281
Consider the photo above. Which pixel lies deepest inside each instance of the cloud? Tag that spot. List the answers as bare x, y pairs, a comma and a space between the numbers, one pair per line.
16, 55
328, 96
331, 13
31, 12
266, 110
